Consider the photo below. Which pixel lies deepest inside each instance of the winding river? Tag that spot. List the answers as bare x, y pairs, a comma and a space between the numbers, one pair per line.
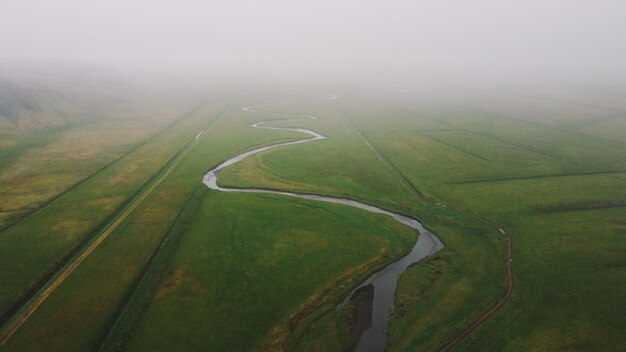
374, 338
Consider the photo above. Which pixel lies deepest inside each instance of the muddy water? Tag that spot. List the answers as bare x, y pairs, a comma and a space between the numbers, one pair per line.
374, 339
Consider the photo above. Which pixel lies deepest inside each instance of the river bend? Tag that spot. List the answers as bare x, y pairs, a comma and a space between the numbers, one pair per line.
374, 338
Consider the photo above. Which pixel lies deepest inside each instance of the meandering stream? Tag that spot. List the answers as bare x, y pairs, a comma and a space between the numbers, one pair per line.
373, 339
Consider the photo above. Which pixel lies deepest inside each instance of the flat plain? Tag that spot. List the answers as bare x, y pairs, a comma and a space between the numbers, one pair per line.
176, 266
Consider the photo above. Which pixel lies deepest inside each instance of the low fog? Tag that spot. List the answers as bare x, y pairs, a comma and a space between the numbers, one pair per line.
492, 37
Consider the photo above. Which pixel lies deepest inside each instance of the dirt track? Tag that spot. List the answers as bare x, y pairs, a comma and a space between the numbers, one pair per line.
496, 307
475, 324
39, 298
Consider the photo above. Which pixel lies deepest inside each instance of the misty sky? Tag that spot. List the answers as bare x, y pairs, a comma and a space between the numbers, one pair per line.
569, 33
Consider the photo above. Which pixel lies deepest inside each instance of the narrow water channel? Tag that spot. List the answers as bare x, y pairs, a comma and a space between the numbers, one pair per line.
374, 338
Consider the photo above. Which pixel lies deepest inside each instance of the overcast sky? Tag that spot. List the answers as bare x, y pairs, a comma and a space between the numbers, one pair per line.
524, 33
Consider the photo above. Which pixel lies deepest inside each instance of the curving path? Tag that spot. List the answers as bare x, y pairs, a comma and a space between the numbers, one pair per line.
374, 339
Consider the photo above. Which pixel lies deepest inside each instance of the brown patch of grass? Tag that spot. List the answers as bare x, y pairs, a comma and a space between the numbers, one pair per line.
178, 278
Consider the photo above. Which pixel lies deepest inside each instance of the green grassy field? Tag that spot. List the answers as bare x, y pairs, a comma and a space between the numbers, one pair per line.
247, 274
470, 269
121, 257
567, 294
504, 168
141, 326
193, 269
34, 248
37, 167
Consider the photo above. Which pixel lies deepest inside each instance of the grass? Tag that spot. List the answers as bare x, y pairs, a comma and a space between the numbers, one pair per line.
36, 247
341, 166
570, 271
257, 261
474, 249
147, 312
37, 167
194, 269
564, 287
86, 304
446, 292
525, 165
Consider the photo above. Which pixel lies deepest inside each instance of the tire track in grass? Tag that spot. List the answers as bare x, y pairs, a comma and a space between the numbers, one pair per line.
508, 292
39, 299
404, 181
137, 145
49, 273
102, 340
460, 150
479, 133
112, 340
384, 281
476, 323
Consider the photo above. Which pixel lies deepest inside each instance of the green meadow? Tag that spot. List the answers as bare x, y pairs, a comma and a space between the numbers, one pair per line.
470, 266
280, 262
188, 268
37, 167
558, 190
526, 172
33, 249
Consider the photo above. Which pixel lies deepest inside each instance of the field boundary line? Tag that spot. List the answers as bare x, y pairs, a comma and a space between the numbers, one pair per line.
404, 181
509, 279
534, 177
60, 278
461, 150
137, 145
478, 133
52, 270
565, 130
157, 250
476, 323
101, 342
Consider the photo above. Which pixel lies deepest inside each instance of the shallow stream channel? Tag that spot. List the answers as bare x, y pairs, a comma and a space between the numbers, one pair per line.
383, 283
